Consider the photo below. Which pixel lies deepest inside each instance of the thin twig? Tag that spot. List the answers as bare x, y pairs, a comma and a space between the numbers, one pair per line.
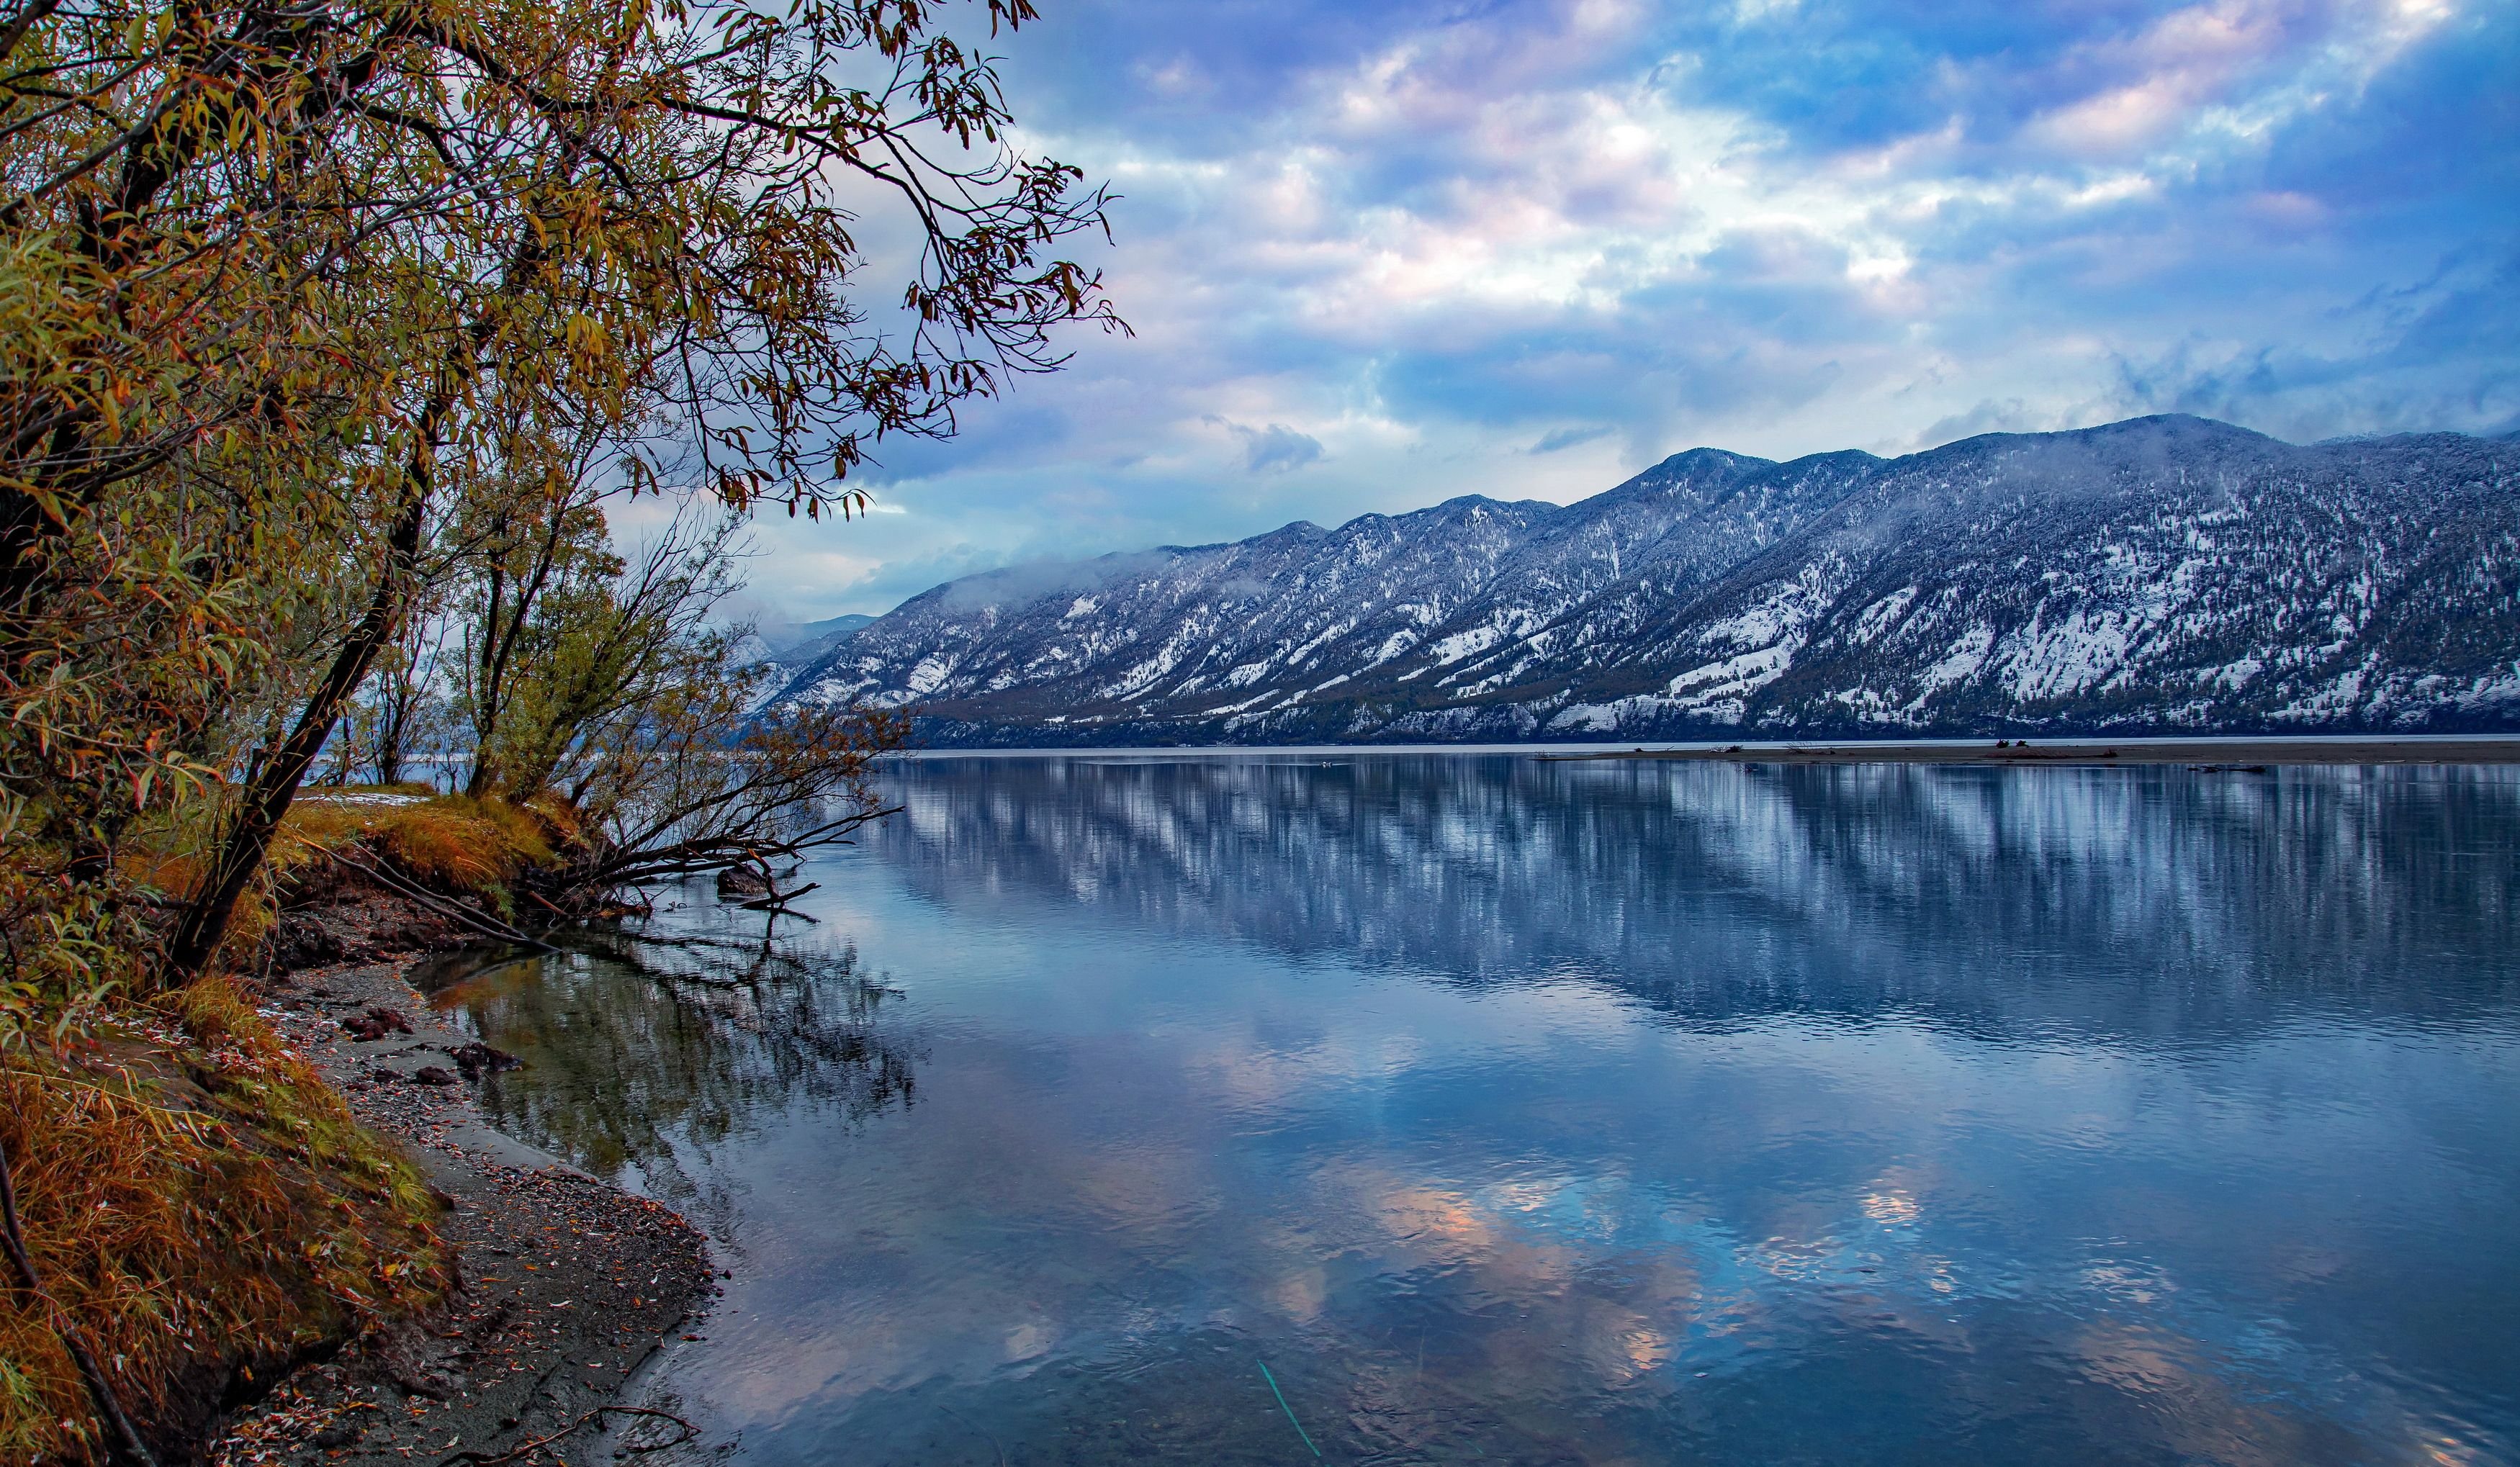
486, 1459
1290, 1410
684, 942
778, 901
479, 921
992, 1440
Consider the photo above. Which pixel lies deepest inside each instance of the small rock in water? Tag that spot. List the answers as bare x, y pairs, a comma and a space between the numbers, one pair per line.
475, 1057
378, 1022
742, 881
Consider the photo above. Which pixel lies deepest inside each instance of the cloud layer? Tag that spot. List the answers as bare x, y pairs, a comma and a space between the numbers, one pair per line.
1378, 256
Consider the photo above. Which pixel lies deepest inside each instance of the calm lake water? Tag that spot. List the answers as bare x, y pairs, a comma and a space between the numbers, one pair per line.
1585, 1114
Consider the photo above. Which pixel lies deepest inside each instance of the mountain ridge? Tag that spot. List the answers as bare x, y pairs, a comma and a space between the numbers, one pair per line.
2164, 574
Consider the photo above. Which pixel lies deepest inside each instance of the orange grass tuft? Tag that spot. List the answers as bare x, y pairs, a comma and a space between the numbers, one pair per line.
451, 842
199, 1202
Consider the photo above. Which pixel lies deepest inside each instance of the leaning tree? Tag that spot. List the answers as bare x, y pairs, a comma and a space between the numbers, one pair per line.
286, 288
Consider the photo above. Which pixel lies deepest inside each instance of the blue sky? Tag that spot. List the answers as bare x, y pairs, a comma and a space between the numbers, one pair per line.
1378, 256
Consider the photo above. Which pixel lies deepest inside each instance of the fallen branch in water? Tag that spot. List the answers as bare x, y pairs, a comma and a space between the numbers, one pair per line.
486, 1459
660, 975
776, 905
686, 942
778, 899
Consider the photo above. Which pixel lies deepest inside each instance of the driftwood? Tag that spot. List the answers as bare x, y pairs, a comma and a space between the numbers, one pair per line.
777, 901
591, 1418
482, 922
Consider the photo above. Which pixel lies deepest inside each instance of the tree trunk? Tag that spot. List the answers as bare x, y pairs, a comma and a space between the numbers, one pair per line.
272, 782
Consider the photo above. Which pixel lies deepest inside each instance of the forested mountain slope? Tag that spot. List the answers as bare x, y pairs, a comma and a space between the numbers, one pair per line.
2166, 574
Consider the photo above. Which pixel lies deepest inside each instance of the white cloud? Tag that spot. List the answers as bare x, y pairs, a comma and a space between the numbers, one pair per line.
1523, 256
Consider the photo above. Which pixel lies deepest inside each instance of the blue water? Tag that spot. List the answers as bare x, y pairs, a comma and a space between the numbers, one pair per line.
1617, 1113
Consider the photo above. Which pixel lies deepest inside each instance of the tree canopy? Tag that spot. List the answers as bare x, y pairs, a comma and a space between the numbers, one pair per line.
312, 311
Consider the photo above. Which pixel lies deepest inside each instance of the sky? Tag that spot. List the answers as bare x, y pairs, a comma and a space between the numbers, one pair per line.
1376, 255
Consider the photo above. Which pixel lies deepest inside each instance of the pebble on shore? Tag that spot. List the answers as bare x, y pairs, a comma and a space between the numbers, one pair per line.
566, 1284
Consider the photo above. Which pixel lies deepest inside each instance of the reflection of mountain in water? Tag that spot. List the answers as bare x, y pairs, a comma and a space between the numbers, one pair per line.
634, 1046
1719, 893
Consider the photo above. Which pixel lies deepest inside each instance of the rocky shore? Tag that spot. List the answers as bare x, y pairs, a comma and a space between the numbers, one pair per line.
565, 1285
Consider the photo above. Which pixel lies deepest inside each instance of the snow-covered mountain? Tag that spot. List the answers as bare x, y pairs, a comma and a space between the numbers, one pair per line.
2169, 574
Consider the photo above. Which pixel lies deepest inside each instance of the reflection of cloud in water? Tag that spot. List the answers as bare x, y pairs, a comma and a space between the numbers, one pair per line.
1152, 1188
1594, 1115
1891, 1207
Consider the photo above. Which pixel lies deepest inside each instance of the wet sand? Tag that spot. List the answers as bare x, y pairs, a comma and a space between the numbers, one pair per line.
566, 1284
2200, 753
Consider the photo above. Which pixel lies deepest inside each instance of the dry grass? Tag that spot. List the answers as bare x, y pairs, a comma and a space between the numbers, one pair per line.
197, 1200
452, 842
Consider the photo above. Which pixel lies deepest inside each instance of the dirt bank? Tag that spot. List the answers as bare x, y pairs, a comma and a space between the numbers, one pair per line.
565, 1284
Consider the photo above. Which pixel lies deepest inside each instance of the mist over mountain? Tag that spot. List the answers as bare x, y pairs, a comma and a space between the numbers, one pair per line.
2167, 574
800, 642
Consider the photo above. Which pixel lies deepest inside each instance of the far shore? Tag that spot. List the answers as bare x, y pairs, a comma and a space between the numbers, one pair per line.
2210, 753
2215, 751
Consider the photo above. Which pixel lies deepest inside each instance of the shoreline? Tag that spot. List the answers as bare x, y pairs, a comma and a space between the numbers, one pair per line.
2222, 753
2298, 748
565, 1284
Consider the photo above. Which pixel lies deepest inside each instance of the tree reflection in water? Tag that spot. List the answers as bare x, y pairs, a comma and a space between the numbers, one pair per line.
1980, 901
1585, 1114
637, 1045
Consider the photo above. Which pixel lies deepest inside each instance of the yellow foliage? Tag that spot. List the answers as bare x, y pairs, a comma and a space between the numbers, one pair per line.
192, 1195
559, 820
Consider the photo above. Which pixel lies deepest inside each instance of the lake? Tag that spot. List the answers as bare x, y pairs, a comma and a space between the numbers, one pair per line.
1439, 1108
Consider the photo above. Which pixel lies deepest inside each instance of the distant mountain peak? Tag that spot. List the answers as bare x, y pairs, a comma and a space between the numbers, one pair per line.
2169, 573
